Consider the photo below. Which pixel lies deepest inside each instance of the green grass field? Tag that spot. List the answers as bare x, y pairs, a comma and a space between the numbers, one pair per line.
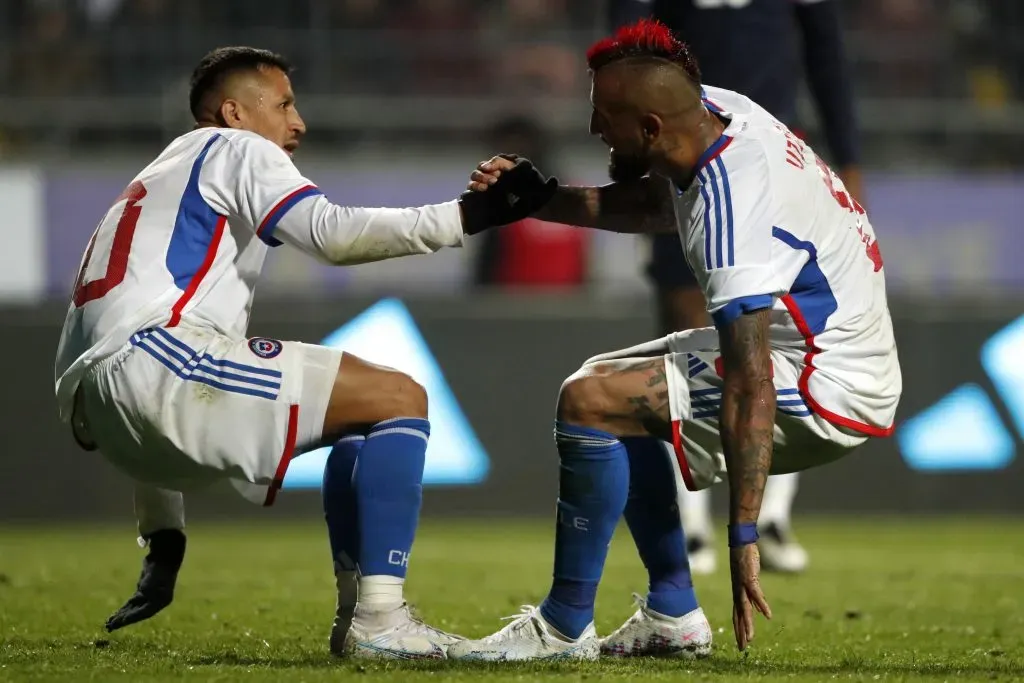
886, 599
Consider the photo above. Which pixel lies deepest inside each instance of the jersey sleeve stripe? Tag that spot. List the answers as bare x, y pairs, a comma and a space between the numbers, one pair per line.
707, 221
731, 259
719, 227
266, 229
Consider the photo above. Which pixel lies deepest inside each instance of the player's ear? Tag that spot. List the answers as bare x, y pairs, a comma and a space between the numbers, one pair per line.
651, 125
230, 114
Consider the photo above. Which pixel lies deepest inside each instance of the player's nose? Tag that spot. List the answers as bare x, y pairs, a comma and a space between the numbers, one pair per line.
298, 125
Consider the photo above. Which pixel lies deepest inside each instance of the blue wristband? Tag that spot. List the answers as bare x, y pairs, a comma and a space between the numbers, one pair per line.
742, 534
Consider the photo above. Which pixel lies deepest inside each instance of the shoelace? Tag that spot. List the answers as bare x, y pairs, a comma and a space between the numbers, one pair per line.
640, 602
423, 626
519, 622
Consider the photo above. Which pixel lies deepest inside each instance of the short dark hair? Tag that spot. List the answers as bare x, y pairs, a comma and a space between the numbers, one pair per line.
224, 61
646, 39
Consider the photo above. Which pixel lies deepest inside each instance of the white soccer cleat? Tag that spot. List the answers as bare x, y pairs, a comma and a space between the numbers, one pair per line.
394, 635
528, 638
701, 555
650, 634
780, 551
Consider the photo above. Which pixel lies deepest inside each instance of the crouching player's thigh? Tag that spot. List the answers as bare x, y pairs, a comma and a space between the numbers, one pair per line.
183, 407
621, 396
802, 438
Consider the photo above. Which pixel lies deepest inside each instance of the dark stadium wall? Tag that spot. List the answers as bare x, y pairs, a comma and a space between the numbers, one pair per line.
504, 359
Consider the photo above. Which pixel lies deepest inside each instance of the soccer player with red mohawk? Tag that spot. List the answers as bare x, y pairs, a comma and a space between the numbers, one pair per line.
799, 369
755, 48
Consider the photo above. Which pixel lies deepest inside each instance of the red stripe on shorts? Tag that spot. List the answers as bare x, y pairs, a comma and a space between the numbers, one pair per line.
286, 456
677, 446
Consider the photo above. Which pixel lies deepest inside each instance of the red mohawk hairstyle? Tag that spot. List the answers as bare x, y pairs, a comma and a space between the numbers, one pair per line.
646, 38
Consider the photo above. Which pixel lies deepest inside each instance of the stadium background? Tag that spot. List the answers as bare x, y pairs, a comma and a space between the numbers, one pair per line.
402, 98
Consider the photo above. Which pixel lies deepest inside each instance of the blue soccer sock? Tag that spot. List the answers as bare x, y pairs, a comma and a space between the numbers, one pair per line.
652, 514
592, 487
339, 498
389, 491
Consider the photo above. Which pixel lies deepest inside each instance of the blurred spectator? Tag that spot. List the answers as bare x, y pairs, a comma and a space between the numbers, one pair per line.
903, 42
47, 58
931, 56
530, 253
439, 40
360, 28
143, 46
535, 41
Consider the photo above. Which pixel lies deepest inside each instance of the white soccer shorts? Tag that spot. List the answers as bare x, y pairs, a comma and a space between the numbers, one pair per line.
803, 439
180, 408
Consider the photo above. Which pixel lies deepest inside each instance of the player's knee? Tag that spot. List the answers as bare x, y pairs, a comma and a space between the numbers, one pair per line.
408, 398
583, 399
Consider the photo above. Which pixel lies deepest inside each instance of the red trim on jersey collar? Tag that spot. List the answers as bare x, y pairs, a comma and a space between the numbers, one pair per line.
712, 152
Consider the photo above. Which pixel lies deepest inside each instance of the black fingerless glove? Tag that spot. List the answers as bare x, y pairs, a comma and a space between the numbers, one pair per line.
519, 192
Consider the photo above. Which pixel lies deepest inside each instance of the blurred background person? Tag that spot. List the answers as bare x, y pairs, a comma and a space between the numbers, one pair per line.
530, 253
753, 47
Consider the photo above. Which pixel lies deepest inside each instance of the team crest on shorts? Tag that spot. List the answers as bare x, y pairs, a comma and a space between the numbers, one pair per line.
264, 347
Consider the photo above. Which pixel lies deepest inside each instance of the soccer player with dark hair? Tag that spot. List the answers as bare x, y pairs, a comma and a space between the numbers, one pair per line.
156, 370
799, 369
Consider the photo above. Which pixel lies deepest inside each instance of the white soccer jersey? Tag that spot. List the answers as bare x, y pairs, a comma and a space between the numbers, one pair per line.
187, 239
766, 224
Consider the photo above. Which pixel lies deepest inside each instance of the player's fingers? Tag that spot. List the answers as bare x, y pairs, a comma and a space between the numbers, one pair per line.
748, 619
760, 602
484, 178
477, 187
496, 164
739, 629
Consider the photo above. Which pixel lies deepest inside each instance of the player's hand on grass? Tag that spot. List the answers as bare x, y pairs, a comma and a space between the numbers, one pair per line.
747, 596
155, 589
504, 190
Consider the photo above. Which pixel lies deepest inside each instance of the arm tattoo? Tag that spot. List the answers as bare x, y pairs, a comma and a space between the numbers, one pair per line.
641, 207
748, 412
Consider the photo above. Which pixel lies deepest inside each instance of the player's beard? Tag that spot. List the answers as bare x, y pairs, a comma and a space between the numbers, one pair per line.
627, 168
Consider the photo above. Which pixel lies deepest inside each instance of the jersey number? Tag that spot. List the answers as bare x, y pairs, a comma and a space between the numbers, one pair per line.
117, 264
853, 206
833, 184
